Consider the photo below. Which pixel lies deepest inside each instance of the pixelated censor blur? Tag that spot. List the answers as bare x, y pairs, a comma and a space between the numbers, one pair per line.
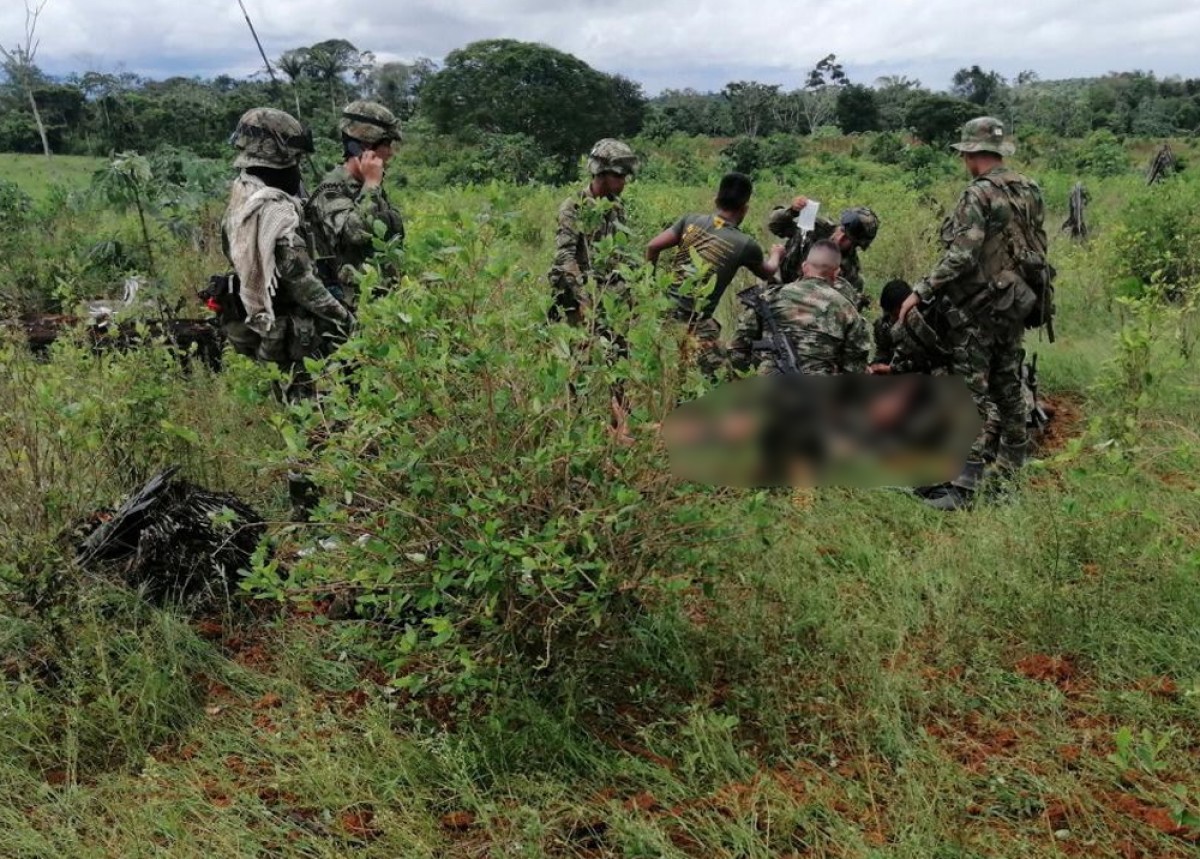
845, 430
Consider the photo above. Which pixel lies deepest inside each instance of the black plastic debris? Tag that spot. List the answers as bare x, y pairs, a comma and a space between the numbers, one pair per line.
176, 542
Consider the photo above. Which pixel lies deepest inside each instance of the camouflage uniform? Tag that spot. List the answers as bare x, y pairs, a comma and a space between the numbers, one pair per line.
885, 342
342, 213
583, 222
825, 330
985, 300
782, 222
302, 314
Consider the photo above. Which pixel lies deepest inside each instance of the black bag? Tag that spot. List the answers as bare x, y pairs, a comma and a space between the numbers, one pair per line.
222, 297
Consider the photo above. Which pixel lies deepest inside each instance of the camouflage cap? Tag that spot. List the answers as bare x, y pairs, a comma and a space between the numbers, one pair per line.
985, 134
369, 122
861, 225
612, 156
266, 137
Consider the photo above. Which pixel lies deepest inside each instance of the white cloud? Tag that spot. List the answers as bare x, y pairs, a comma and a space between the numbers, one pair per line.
702, 43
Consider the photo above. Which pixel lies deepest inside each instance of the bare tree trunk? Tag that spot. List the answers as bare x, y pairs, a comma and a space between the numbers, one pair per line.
37, 119
296, 96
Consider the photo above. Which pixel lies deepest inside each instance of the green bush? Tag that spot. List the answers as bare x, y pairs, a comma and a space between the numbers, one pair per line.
486, 515
1102, 155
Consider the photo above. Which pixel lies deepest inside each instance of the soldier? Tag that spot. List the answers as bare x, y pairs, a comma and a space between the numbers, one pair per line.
282, 312
718, 240
855, 230
994, 249
825, 330
351, 198
584, 220
890, 300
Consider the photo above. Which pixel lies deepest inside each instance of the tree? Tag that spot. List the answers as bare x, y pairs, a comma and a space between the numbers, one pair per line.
977, 86
750, 104
294, 64
503, 86
857, 110
19, 65
820, 92
894, 94
937, 119
398, 85
328, 61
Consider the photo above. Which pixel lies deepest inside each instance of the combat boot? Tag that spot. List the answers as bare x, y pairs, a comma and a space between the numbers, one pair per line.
1010, 458
999, 478
960, 494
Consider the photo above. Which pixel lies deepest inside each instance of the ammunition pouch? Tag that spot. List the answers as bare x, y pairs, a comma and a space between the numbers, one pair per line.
1013, 298
1039, 274
1006, 300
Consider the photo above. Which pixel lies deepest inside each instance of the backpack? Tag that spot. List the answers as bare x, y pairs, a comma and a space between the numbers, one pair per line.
1027, 248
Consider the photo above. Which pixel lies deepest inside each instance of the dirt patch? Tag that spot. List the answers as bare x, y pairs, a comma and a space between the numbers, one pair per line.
1059, 670
1067, 421
1157, 818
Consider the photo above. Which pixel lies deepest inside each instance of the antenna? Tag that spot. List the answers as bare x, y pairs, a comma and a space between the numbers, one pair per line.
261, 52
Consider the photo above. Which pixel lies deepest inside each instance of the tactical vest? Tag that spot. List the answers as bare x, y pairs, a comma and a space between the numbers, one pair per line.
1013, 279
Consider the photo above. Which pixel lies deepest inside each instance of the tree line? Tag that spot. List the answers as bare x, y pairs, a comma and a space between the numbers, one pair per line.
547, 106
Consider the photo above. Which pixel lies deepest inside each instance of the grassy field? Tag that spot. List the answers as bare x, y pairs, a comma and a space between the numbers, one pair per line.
853, 676
35, 175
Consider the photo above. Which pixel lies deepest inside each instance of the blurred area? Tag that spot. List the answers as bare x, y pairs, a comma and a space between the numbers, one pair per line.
847, 430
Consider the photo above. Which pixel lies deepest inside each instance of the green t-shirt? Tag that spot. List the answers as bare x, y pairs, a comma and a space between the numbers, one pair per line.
720, 244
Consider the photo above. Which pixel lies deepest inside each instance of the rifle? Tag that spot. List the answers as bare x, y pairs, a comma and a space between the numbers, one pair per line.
755, 299
1040, 418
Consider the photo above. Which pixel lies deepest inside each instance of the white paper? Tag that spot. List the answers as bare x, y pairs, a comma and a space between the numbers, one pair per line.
807, 219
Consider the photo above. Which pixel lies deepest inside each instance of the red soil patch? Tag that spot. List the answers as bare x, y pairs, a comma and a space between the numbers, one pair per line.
1155, 817
268, 701
1059, 670
359, 823
644, 802
458, 821
1066, 423
1163, 687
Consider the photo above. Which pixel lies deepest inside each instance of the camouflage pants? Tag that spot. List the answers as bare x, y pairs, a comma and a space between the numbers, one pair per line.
703, 345
990, 361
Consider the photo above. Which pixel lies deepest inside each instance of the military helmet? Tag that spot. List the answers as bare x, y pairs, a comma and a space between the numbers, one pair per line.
861, 225
266, 137
612, 156
985, 134
369, 122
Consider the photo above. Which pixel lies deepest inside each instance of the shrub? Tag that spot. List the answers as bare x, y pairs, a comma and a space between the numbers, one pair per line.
489, 518
1102, 155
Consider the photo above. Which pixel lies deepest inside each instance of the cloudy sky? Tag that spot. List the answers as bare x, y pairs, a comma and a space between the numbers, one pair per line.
697, 43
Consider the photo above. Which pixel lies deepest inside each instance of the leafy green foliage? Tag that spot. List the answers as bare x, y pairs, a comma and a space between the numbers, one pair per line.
503, 86
1102, 155
499, 524
937, 119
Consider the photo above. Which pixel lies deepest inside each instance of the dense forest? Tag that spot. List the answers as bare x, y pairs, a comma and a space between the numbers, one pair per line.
539, 107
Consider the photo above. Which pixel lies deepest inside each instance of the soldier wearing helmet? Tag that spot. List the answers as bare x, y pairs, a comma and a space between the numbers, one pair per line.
991, 243
854, 231
281, 312
584, 220
351, 198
